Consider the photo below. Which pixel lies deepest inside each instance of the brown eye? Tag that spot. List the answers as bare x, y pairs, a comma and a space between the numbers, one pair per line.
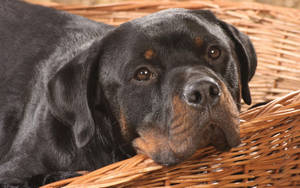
143, 74
214, 52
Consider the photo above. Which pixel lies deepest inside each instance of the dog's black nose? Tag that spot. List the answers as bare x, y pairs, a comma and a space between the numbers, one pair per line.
204, 91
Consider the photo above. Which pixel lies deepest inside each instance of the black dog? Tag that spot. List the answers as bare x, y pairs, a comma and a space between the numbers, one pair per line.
78, 95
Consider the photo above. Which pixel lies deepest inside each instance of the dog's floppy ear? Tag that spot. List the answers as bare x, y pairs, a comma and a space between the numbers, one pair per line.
68, 92
244, 50
246, 55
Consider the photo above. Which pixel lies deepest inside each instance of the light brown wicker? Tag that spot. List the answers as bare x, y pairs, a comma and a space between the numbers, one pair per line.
269, 155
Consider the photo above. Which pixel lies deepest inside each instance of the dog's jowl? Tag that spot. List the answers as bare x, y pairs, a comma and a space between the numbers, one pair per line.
78, 95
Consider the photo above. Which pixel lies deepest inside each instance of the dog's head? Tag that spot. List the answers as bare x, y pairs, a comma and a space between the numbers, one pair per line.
173, 80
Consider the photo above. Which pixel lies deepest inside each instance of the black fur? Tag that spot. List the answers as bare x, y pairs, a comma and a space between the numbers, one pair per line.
65, 80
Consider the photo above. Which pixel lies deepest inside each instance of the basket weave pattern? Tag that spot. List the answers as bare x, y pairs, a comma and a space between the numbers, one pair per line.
269, 155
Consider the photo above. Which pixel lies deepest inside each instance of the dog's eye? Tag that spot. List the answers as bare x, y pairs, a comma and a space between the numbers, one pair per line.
143, 74
214, 52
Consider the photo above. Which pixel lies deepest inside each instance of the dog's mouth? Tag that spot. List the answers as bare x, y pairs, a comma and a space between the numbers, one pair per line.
191, 130
173, 149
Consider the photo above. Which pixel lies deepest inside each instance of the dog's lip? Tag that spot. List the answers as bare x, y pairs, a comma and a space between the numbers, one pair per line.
230, 139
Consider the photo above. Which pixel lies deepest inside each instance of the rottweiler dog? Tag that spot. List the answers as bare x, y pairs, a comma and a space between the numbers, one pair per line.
78, 95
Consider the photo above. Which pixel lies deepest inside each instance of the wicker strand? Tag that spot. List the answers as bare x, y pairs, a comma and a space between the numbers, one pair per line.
269, 155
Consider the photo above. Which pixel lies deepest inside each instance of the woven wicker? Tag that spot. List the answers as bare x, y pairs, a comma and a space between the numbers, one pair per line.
269, 155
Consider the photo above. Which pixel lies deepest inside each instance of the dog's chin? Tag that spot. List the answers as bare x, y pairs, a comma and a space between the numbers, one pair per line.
157, 149
170, 150
166, 158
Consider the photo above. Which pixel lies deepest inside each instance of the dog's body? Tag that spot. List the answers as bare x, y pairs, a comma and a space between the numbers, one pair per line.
74, 94
35, 43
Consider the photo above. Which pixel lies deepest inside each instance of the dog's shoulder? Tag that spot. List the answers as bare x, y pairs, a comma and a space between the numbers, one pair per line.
33, 35
30, 34
18, 13
27, 29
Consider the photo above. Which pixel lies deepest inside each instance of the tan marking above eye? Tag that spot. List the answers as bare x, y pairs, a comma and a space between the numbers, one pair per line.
198, 41
149, 54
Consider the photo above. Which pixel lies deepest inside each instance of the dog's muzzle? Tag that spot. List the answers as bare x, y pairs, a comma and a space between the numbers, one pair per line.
203, 113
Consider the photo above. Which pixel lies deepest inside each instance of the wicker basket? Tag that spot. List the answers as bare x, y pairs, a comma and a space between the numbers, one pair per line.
270, 153
269, 156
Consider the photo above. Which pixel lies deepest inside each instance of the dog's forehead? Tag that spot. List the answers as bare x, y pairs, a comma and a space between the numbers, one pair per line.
179, 20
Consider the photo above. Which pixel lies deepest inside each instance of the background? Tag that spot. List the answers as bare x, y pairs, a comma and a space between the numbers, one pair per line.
285, 3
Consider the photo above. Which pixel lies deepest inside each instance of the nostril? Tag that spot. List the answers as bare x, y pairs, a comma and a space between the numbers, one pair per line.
202, 92
214, 91
195, 97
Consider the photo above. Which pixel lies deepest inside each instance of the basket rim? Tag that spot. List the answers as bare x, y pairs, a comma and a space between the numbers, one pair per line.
143, 165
